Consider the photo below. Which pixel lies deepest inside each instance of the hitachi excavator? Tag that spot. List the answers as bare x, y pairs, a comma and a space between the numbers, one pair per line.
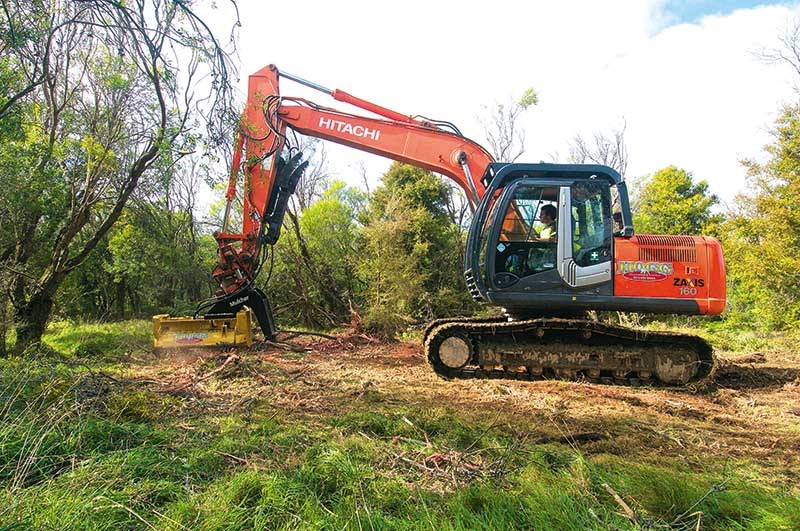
547, 243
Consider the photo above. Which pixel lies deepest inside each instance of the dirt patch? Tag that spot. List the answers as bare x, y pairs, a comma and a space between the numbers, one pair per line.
755, 357
736, 374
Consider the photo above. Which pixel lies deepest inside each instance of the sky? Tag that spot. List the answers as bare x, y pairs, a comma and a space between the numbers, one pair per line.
685, 78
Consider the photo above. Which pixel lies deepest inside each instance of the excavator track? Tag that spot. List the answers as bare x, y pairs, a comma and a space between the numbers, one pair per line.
570, 349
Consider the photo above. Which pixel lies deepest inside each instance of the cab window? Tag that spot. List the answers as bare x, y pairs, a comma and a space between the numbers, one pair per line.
484, 239
591, 223
527, 242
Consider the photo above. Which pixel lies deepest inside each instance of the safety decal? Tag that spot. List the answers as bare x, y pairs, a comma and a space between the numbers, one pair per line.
191, 337
645, 271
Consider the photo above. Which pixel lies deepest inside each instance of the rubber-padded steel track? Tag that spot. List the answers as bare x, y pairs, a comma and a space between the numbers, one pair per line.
572, 349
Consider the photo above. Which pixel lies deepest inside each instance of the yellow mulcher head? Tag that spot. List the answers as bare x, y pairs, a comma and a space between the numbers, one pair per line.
182, 332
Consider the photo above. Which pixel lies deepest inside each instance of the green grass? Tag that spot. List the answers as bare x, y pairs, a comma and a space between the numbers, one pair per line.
724, 334
81, 451
107, 340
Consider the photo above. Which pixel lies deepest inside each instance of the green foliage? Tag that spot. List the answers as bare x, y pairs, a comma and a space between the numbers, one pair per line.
396, 255
150, 262
528, 98
670, 202
411, 252
761, 239
157, 264
95, 116
313, 279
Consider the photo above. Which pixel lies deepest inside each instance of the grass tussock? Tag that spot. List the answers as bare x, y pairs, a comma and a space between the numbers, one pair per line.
97, 445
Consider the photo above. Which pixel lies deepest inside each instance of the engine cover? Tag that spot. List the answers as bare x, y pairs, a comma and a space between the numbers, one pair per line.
676, 267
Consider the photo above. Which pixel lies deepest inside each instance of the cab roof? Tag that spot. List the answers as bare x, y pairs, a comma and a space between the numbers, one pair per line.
567, 172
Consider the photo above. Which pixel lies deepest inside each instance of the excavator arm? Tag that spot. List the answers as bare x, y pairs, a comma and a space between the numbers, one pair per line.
272, 166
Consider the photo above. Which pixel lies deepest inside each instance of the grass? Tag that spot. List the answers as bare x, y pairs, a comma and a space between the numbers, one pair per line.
726, 335
111, 341
89, 445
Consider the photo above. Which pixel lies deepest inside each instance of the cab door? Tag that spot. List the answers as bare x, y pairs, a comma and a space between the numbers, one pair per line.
522, 252
585, 242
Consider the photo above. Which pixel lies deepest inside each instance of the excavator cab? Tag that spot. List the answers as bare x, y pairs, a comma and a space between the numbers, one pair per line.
544, 233
594, 261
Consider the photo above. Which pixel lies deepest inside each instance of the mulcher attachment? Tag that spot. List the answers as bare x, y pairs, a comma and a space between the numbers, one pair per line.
181, 332
224, 322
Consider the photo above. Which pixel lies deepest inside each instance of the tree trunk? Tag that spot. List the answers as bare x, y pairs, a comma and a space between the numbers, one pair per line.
31, 320
3, 325
321, 276
119, 299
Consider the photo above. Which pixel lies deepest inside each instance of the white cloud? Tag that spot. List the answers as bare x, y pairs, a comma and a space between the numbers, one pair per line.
692, 95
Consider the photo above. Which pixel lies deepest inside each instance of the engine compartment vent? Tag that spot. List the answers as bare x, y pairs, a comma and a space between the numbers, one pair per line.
659, 240
667, 255
658, 248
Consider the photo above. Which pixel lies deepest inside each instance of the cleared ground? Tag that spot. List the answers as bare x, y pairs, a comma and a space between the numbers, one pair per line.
748, 409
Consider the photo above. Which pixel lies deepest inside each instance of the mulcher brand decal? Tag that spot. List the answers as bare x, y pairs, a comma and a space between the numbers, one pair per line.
237, 301
645, 271
191, 337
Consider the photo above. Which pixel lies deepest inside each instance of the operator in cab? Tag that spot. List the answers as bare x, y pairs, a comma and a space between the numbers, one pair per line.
547, 215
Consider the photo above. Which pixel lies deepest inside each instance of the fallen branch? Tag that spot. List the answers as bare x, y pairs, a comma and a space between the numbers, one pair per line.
232, 357
664, 434
234, 457
128, 509
285, 346
434, 471
242, 460
629, 513
296, 333
719, 487
91, 371
569, 439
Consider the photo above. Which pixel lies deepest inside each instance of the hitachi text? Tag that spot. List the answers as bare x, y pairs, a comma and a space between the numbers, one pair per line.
348, 128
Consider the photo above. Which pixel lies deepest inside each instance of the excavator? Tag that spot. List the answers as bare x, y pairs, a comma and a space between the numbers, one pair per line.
547, 244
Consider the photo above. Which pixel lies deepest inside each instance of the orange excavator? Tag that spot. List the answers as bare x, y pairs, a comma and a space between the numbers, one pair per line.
547, 243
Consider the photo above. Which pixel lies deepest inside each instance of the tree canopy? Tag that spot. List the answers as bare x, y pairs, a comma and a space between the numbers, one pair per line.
101, 99
671, 202
762, 236
410, 258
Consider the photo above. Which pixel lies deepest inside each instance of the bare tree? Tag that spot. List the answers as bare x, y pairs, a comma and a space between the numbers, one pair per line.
606, 150
116, 91
500, 123
609, 151
788, 51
